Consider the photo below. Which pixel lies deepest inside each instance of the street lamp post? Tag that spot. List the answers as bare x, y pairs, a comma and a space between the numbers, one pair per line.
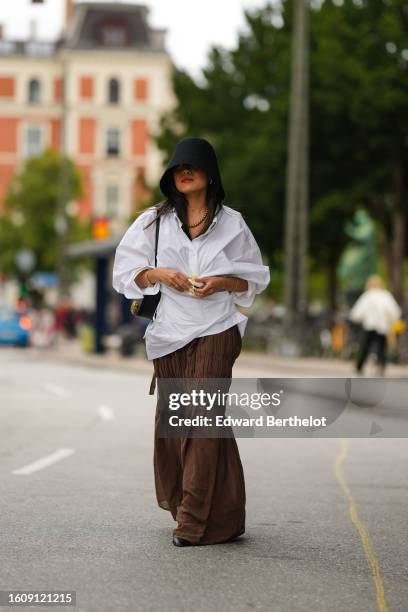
64, 182
61, 220
297, 189
64, 191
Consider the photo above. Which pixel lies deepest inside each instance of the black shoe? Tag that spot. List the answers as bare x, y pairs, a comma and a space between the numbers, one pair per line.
181, 542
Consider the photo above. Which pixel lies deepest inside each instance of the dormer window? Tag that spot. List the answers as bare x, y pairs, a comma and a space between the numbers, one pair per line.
114, 35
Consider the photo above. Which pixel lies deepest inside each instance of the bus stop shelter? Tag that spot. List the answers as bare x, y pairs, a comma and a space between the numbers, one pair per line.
102, 253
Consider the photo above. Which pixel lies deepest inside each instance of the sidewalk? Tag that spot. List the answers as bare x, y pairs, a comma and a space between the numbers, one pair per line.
248, 364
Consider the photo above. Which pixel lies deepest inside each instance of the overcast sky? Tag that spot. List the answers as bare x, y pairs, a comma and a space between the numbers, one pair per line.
193, 26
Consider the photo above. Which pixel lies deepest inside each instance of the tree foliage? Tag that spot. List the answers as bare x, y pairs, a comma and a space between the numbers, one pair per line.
31, 206
358, 122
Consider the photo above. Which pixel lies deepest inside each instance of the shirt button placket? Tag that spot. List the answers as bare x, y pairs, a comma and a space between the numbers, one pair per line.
194, 261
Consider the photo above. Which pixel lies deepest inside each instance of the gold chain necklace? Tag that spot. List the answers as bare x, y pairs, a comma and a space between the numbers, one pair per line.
199, 222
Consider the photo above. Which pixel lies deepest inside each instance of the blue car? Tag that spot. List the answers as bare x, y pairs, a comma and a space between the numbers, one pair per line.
14, 327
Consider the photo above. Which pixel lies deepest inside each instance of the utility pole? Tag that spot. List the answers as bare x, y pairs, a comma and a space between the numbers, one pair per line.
69, 9
64, 179
297, 180
63, 192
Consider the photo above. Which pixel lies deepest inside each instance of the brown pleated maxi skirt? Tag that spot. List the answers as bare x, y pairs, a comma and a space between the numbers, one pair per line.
201, 480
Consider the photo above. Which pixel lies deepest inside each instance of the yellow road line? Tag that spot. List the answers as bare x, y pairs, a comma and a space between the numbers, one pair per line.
365, 538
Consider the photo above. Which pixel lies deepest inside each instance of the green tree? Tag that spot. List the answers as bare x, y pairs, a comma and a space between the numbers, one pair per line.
29, 219
360, 72
359, 131
241, 107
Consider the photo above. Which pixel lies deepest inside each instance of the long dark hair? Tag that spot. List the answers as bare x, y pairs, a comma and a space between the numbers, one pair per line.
178, 200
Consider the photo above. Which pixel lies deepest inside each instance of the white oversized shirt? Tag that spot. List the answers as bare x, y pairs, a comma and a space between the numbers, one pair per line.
376, 310
227, 247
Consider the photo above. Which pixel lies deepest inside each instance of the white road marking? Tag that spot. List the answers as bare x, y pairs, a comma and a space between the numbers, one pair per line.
105, 413
55, 389
44, 462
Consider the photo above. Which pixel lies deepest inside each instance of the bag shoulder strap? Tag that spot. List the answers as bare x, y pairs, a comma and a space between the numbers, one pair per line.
157, 239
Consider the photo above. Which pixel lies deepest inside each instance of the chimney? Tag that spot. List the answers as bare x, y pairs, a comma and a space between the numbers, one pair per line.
32, 35
68, 13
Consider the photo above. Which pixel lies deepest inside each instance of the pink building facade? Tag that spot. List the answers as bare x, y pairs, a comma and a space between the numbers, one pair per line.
101, 90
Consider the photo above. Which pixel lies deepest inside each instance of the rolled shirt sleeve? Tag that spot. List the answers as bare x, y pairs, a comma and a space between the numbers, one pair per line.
246, 261
245, 298
135, 253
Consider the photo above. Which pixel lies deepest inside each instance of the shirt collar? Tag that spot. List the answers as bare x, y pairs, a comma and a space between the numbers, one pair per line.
212, 224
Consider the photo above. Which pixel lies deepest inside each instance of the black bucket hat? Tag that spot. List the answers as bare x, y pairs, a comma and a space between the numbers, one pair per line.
197, 152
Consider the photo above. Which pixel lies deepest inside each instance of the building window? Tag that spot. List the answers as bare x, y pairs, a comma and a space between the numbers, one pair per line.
140, 89
7, 87
86, 87
113, 91
87, 135
33, 141
34, 91
114, 35
112, 200
113, 142
58, 89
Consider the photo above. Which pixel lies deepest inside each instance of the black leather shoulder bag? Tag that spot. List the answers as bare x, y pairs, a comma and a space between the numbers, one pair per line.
146, 306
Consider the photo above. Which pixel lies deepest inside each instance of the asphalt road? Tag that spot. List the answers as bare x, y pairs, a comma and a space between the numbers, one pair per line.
326, 517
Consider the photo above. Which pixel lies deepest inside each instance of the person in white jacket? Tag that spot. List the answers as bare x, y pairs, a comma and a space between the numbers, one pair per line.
376, 311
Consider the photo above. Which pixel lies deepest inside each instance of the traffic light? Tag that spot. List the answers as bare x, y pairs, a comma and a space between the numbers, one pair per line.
100, 228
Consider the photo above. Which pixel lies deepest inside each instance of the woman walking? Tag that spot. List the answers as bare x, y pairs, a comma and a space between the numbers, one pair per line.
207, 261
376, 311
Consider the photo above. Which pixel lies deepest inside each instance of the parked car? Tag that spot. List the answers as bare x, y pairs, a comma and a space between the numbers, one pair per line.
14, 327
